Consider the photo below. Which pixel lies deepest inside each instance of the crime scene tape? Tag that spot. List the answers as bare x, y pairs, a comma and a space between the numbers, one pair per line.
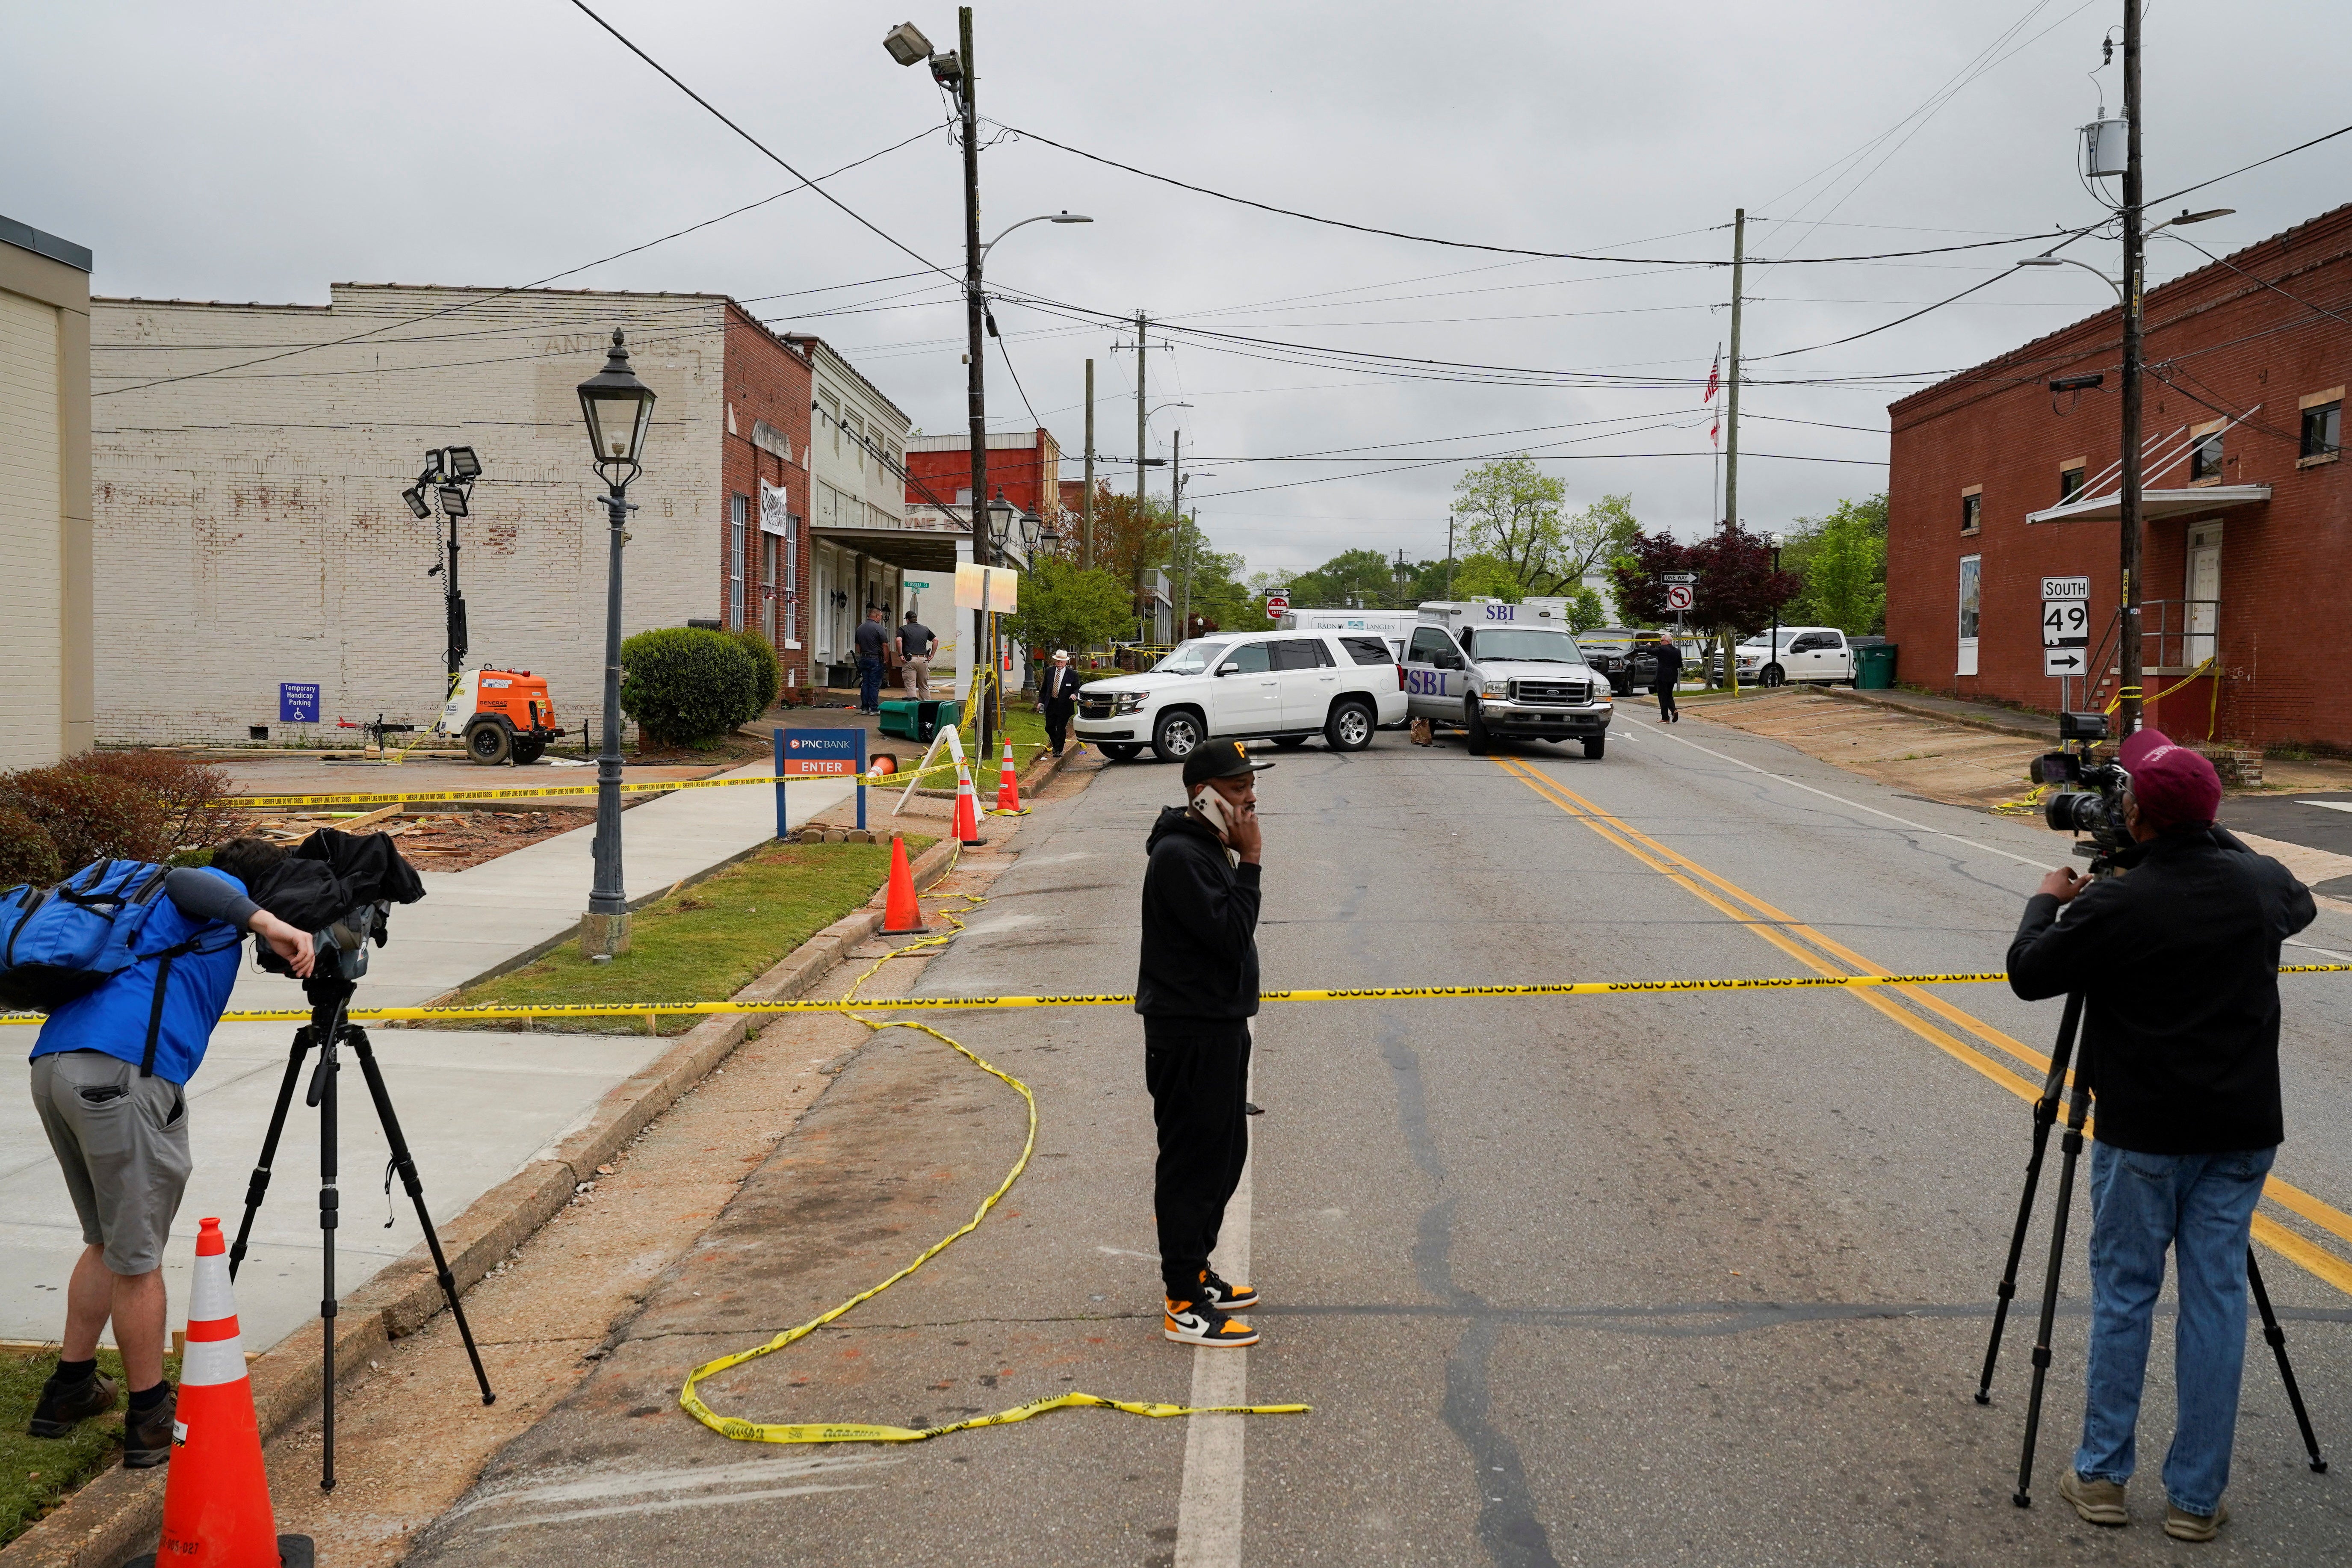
427, 797
496, 1012
744, 1431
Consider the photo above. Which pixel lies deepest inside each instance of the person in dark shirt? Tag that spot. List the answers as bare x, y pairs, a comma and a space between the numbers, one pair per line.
917, 643
873, 640
1670, 675
110, 1069
1196, 988
2177, 959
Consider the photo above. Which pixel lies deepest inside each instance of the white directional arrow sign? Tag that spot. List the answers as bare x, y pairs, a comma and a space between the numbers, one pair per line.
2062, 661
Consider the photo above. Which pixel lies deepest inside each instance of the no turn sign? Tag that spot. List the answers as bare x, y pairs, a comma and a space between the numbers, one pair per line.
1276, 607
1678, 597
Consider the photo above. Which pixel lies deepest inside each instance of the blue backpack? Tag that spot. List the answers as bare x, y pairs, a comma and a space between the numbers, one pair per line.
57, 943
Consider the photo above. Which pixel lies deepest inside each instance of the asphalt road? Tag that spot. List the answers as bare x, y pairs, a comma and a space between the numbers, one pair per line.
1653, 1279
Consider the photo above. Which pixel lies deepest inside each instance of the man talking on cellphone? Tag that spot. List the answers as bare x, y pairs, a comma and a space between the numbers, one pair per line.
1197, 990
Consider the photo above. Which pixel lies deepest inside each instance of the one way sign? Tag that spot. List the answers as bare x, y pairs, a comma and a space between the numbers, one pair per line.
2062, 661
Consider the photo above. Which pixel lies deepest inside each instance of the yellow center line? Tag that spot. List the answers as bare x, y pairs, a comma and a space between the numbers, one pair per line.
1784, 931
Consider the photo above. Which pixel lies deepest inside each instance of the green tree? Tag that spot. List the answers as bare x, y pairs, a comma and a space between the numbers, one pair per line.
1062, 606
1842, 558
1509, 511
1484, 576
1585, 610
1353, 579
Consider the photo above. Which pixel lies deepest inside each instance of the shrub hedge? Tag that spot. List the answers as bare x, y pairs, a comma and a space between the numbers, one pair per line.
118, 805
764, 659
686, 685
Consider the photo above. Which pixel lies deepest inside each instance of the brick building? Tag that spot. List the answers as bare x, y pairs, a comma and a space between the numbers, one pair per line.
1997, 481
251, 531
45, 635
1025, 465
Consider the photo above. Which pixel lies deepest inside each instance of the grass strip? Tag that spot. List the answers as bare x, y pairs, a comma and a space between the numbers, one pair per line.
36, 1473
1024, 727
704, 942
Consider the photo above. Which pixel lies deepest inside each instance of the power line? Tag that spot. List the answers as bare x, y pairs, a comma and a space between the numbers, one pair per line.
2255, 165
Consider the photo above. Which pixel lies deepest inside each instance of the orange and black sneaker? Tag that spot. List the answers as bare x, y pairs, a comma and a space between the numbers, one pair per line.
1199, 1324
1226, 1297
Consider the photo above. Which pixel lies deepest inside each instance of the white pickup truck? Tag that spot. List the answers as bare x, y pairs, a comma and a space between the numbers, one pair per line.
1496, 671
1819, 653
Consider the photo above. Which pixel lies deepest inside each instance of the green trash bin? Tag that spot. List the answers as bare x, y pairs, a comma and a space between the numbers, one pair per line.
919, 721
1875, 671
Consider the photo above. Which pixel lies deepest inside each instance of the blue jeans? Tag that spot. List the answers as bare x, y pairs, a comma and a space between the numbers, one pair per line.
869, 684
2202, 1206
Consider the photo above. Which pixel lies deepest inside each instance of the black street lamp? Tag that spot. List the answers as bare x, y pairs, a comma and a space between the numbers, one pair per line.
618, 409
1775, 539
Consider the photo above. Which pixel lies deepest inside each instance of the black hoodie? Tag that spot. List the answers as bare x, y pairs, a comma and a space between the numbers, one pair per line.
1199, 924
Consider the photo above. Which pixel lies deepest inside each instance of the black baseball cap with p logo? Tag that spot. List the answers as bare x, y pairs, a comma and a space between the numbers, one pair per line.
1220, 760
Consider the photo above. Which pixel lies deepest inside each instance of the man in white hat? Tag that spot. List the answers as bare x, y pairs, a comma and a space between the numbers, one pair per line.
1058, 697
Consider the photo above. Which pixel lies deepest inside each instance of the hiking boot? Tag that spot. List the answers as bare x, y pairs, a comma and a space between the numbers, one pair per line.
2182, 1525
1197, 1323
60, 1410
2099, 1502
1225, 1297
147, 1433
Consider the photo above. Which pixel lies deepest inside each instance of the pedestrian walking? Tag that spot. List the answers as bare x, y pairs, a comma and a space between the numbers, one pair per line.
1670, 675
2177, 964
110, 1074
873, 641
1196, 988
917, 643
1058, 698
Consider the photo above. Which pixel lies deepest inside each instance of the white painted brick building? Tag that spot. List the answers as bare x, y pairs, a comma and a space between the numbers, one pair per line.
249, 527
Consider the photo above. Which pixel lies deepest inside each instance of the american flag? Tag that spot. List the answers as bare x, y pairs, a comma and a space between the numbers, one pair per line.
1714, 379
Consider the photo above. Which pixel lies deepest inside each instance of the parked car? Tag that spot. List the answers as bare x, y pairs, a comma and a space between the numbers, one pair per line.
1627, 657
1818, 654
1282, 686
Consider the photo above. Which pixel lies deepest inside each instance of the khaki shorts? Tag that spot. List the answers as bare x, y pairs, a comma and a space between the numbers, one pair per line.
123, 1141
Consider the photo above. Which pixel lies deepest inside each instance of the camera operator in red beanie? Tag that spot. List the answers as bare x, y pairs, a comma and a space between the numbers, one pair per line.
2177, 960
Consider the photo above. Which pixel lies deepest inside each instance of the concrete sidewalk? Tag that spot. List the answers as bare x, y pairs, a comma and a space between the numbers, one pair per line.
476, 1106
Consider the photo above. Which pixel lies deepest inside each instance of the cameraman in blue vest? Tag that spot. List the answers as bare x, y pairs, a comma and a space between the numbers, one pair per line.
109, 1073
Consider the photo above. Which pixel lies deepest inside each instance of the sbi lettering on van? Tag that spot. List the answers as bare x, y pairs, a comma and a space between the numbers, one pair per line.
1501, 612
1424, 683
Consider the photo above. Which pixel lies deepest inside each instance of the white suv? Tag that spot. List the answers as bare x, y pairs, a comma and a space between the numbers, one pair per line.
1283, 686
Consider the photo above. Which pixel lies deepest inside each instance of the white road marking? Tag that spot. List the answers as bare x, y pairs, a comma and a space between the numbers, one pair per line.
1123, 1252
1916, 827
2330, 805
1209, 1509
669, 1504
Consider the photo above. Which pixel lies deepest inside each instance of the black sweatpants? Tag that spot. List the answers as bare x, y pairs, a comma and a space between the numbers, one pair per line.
1665, 690
1198, 1072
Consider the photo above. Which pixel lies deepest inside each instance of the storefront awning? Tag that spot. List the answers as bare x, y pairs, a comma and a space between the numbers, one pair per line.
921, 549
2155, 506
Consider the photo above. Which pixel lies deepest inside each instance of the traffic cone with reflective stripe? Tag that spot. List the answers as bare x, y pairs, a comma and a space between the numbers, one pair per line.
967, 809
1008, 787
216, 1498
902, 914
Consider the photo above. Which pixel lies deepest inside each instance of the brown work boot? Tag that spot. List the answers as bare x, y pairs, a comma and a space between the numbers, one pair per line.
2182, 1525
60, 1410
147, 1433
2099, 1502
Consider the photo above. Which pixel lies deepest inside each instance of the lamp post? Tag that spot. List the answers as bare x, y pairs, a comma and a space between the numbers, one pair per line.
1776, 541
995, 522
618, 409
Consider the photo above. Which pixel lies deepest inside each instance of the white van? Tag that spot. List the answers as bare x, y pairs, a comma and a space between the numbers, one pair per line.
1391, 626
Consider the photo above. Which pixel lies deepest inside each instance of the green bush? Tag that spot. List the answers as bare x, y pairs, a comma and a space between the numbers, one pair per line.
183, 791
90, 816
27, 853
764, 659
684, 685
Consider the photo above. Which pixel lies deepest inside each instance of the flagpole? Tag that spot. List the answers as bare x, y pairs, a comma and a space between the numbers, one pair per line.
1714, 439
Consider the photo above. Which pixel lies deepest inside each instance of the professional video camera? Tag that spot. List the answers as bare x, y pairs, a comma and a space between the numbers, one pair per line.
340, 947
2086, 797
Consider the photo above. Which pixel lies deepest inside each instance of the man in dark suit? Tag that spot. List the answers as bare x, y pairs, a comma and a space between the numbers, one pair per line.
1058, 697
1670, 675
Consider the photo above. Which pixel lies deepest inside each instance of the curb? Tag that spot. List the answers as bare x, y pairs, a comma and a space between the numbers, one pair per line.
120, 1510
1968, 721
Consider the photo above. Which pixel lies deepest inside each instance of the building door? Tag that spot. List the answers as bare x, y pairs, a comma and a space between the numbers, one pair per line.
1972, 611
768, 588
2203, 616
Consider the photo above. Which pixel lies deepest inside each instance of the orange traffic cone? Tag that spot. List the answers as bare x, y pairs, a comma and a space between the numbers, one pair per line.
216, 1498
902, 915
967, 810
1008, 787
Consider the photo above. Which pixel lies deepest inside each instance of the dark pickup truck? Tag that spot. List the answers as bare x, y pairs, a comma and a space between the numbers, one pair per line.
1629, 659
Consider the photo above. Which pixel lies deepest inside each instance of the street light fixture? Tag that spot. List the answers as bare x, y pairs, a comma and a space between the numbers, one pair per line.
414, 496
1065, 216
617, 408
453, 500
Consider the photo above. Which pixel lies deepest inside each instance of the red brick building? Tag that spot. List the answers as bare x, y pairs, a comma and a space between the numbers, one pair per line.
1025, 465
1997, 481
762, 546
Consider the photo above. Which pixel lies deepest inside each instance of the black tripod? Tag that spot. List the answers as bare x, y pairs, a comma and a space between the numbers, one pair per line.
2078, 1110
329, 1031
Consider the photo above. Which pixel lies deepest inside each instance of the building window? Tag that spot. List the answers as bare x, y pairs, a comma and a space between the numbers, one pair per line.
2205, 458
858, 440
2070, 483
832, 407
2322, 431
1971, 604
1972, 511
738, 508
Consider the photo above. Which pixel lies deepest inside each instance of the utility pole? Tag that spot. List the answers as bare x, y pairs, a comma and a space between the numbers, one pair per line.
1184, 626
1140, 356
1449, 555
2128, 509
1087, 533
1176, 507
1731, 442
975, 312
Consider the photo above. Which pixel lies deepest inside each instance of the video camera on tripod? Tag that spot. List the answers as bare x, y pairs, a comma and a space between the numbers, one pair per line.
2088, 796
340, 947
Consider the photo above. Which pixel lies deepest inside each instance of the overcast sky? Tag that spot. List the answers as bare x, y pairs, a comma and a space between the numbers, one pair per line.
261, 151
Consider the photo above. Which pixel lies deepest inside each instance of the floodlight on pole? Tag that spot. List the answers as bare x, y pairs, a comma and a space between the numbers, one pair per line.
907, 44
414, 496
461, 465
453, 500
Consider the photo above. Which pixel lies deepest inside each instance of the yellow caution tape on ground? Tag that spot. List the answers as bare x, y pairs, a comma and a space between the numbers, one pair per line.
859, 1432
428, 798
496, 1011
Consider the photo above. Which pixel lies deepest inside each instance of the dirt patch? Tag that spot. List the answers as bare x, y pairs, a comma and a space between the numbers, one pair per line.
443, 841
1948, 763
